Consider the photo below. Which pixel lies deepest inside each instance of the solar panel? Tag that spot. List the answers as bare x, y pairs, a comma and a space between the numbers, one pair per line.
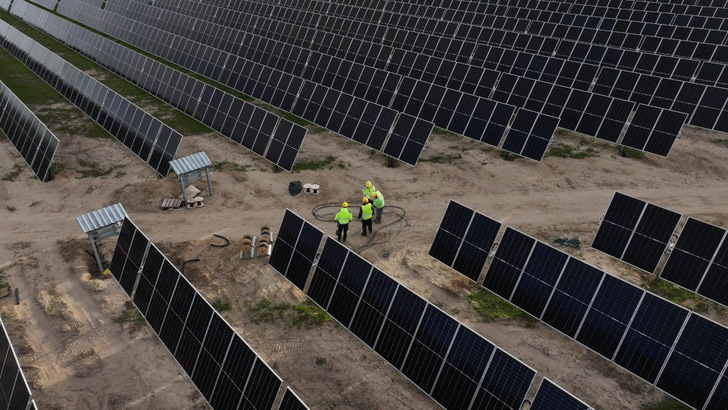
530, 134
291, 401
13, 384
551, 396
635, 231
464, 239
425, 344
297, 243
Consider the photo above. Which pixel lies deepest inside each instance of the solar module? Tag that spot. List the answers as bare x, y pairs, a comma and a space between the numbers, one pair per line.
550, 396
298, 242
448, 361
464, 239
227, 372
30, 137
635, 231
14, 389
530, 134
291, 401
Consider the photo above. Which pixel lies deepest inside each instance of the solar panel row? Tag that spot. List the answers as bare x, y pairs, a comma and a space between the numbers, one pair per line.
434, 101
227, 372
238, 120
29, 135
550, 396
355, 118
151, 140
449, 362
14, 390
505, 58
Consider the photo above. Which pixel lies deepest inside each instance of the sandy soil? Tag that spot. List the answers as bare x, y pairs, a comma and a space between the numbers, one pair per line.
76, 354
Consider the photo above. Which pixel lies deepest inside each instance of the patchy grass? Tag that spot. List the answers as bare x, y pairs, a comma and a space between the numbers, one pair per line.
221, 305
320, 361
443, 159
720, 141
227, 165
562, 150
56, 168
666, 404
12, 175
265, 311
3, 280
309, 315
131, 316
492, 307
293, 118
682, 296
92, 169
313, 164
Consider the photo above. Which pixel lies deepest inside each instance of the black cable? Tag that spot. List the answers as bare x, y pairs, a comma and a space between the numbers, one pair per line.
227, 241
388, 231
186, 262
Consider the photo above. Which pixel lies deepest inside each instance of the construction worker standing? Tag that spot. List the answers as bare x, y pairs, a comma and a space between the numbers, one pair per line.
342, 218
365, 214
378, 202
368, 190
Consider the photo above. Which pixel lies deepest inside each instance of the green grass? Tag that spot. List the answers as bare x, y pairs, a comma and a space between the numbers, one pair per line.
293, 118
309, 315
221, 305
56, 168
720, 141
10, 176
320, 361
313, 164
667, 404
679, 295
3, 280
131, 316
92, 169
492, 307
219, 166
562, 150
443, 159
265, 311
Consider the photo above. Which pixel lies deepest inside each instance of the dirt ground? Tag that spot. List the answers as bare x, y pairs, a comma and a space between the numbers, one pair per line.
78, 352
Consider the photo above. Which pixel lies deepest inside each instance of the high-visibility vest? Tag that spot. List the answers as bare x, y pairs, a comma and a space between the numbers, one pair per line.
379, 200
343, 216
366, 211
367, 192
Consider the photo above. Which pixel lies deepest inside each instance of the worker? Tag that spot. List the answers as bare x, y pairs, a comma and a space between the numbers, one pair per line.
367, 190
365, 214
342, 218
378, 202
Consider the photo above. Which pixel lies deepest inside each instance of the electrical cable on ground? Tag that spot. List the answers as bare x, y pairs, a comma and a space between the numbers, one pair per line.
227, 241
182, 269
384, 232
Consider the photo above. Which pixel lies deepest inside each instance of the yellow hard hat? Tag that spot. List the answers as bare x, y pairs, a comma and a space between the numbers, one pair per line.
364, 200
368, 184
374, 194
344, 205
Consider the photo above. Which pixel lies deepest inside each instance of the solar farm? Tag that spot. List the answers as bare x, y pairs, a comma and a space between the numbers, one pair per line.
555, 234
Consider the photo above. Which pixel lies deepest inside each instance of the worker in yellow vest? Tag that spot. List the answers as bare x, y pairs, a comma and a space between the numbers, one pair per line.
368, 190
365, 214
378, 202
342, 218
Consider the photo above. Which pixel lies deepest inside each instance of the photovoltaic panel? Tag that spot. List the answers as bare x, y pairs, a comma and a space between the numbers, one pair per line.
540, 275
408, 139
297, 243
464, 240
550, 396
510, 257
13, 384
635, 231
291, 401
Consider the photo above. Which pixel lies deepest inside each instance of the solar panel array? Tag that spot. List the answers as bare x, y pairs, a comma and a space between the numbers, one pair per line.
666, 345
5, 5
550, 396
452, 364
226, 371
14, 390
49, 4
464, 240
33, 140
635, 231
431, 57
360, 120
150, 139
274, 138
699, 261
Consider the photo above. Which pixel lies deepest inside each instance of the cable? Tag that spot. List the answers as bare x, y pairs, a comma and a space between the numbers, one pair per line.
185, 263
227, 241
387, 232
